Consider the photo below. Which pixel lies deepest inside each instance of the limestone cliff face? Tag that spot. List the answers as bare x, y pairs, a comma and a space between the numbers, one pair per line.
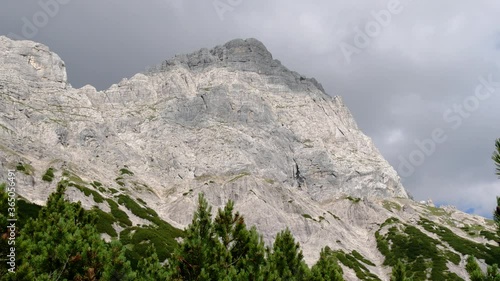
231, 122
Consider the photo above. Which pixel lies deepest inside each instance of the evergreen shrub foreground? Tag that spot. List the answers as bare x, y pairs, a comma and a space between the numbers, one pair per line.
62, 241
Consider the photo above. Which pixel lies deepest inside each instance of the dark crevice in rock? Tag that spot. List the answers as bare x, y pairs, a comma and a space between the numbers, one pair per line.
204, 101
296, 174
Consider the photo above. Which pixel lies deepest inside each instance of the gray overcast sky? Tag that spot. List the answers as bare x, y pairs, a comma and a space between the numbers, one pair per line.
414, 76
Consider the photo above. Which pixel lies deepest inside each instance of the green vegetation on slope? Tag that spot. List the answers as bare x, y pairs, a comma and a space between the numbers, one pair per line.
357, 263
125, 171
87, 191
389, 205
353, 199
467, 247
62, 242
49, 175
25, 168
420, 253
225, 248
160, 234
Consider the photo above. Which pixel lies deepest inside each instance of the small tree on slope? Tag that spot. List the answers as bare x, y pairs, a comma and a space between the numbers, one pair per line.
496, 159
472, 267
286, 260
327, 267
222, 249
399, 273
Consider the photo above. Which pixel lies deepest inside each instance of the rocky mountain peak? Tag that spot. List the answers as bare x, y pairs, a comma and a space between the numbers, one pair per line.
234, 53
239, 55
230, 122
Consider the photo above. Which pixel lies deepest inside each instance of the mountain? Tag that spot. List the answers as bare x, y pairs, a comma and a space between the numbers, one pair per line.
235, 124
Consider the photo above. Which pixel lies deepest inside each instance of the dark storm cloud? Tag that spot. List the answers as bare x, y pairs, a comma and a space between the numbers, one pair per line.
422, 60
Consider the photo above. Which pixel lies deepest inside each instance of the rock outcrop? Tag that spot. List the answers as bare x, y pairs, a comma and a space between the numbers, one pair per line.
231, 122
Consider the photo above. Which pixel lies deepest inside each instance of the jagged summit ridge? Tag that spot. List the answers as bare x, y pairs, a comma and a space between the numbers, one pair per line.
243, 128
239, 55
234, 52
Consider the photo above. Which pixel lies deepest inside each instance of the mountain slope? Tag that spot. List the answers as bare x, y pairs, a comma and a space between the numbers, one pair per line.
231, 122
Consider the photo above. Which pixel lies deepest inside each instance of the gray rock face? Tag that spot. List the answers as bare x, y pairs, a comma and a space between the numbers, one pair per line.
231, 122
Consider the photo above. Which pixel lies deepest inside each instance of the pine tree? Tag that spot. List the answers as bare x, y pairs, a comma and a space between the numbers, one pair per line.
119, 267
472, 267
64, 244
200, 252
493, 273
496, 217
326, 268
286, 261
244, 252
399, 272
150, 267
496, 156
223, 249
474, 270
255, 260
496, 159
